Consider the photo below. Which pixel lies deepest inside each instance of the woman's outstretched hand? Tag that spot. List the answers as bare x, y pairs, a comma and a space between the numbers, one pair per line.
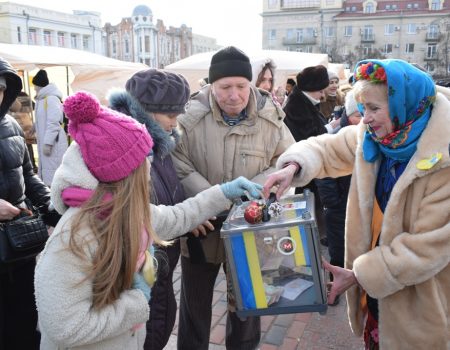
343, 279
281, 179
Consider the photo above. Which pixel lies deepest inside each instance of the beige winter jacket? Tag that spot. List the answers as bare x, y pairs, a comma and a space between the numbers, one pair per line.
212, 152
408, 272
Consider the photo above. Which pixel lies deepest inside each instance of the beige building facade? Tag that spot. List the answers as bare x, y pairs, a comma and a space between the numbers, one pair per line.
348, 31
29, 25
139, 39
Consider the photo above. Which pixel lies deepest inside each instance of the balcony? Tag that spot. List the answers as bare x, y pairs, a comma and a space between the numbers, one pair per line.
432, 36
433, 56
297, 4
368, 38
309, 40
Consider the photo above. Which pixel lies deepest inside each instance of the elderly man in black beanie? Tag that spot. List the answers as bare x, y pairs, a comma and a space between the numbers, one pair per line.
230, 129
155, 98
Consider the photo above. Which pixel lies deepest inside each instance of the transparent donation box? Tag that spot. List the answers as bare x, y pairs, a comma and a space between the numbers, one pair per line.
275, 264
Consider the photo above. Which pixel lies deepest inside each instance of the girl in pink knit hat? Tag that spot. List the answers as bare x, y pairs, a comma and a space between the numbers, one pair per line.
93, 279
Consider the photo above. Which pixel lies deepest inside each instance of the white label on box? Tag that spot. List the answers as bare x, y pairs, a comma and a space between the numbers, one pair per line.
296, 287
295, 205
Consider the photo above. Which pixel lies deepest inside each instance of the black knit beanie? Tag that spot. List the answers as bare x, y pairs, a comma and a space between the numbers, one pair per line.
41, 79
313, 78
159, 91
229, 62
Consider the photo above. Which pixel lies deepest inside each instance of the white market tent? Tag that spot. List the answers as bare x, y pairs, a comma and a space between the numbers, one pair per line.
288, 64
72, 70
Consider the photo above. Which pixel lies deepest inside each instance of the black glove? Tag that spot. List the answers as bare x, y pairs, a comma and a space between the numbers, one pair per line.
50, 217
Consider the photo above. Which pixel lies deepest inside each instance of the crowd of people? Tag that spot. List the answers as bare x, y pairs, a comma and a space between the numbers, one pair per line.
147, 181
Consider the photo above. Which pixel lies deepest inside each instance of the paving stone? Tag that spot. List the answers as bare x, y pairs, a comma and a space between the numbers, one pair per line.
217, 335
296, 329
275, 335
266, 322
284, 320
289, 344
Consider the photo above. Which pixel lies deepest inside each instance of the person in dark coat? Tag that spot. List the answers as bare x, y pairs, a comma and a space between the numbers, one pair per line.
154, 98
304, 119
303, 116
18, 315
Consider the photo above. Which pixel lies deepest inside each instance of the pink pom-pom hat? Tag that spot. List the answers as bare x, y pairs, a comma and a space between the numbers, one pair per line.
112, 144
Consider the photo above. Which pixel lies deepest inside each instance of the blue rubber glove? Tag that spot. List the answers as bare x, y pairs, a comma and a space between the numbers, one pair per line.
241, 187
139, 283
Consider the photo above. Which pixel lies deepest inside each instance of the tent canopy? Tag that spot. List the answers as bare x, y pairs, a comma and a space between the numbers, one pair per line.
288, 64
90, 72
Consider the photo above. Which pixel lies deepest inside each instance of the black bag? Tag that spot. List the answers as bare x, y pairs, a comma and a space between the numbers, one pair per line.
23, 237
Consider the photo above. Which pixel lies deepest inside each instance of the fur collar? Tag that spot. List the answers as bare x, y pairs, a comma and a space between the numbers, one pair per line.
164, 143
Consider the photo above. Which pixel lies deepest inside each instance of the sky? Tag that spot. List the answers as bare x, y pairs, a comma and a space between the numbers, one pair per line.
231, 22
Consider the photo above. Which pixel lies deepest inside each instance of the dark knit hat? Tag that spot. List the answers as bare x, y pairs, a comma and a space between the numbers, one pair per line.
290, 81
159, 91
229, 62
41, 79
313, 78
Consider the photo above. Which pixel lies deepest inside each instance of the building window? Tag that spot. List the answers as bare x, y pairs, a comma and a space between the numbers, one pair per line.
394, 7
272, 34
19, 35
432, 51
416, 6
429, 67
435, 5
85, 42
388, 7
32, 36
299, 36
73, 41
367, 50
147, 43
127, 46
388, 48
47, 38
329, 32
367, 32
353, 8
409, 6
409, 48
412, 28
61, 42
348, 31
347, 9
370, 8
114, 47
389, 29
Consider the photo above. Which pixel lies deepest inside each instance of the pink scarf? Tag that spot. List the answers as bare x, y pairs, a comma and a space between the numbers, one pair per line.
77, 196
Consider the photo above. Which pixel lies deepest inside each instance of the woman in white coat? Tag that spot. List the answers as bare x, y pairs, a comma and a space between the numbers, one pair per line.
51, 138
93, 279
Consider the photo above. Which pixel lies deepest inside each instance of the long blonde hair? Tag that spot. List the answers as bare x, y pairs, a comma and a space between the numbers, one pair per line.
117, 225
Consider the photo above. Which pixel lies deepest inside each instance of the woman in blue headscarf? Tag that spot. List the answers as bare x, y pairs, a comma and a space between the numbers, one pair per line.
396, 275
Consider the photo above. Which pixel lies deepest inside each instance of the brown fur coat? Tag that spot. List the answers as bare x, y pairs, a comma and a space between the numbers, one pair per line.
408, 272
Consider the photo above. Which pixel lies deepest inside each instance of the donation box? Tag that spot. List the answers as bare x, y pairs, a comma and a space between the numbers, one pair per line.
275, 264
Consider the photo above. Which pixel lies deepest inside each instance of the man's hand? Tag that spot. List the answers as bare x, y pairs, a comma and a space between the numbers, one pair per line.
343, 279
202, 229
282, 178
8, 211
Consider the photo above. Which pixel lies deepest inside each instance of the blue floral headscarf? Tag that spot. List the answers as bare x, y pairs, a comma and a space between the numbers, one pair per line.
411, 92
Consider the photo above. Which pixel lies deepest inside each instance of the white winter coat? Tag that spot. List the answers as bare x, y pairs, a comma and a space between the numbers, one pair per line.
64, 303
49, 117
